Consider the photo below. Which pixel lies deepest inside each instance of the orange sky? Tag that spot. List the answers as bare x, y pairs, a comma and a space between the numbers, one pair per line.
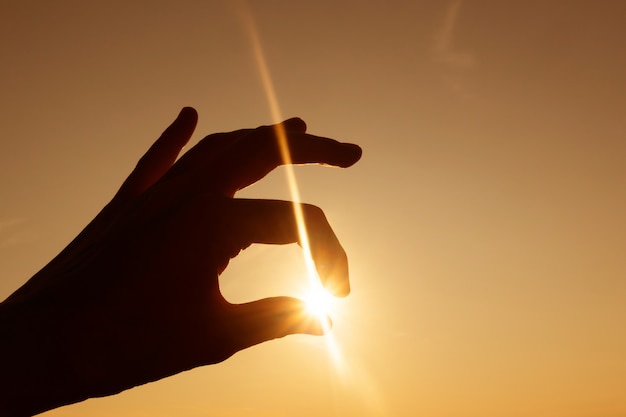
484, 225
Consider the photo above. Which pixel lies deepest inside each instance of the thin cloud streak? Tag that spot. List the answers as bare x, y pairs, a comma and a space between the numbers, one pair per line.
443, 47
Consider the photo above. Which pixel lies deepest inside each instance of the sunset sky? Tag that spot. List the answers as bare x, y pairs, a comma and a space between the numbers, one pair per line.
485, 224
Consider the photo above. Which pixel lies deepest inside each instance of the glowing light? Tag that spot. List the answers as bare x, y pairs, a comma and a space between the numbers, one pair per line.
317, 298
319, 302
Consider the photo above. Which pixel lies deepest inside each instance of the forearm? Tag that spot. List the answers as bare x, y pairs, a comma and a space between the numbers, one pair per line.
57, 350
35, 368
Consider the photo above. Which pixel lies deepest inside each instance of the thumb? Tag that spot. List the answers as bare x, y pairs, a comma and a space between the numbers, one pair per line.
271, 318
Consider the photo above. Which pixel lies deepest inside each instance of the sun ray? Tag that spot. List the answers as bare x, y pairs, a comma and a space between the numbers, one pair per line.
317, 297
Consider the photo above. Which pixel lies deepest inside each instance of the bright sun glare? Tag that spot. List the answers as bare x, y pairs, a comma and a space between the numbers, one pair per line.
318, 300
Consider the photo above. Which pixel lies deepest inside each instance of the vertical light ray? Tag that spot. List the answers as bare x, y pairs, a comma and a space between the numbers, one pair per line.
315, 288
281, 135
367, 389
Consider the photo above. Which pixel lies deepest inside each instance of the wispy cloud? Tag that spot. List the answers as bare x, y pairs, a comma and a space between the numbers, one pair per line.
444, 48
455, 64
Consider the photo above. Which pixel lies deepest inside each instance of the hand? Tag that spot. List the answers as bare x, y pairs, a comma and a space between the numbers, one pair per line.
135, 297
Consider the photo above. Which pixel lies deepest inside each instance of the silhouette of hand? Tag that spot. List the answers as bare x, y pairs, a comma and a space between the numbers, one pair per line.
135, 297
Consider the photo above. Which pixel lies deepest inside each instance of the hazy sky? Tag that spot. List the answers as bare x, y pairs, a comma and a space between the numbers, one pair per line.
485, 224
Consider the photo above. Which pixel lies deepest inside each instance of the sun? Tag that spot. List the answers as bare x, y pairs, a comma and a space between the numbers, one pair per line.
319, 303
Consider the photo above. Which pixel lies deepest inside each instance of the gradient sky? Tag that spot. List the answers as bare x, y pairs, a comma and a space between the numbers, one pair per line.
485, 224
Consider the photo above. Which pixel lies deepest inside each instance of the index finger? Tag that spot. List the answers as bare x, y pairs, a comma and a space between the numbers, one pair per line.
263, 150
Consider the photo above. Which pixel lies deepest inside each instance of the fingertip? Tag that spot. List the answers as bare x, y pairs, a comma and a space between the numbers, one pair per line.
180, 130
352, 153
295, 124
333, 271
342, 290
187, 113
337, 288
